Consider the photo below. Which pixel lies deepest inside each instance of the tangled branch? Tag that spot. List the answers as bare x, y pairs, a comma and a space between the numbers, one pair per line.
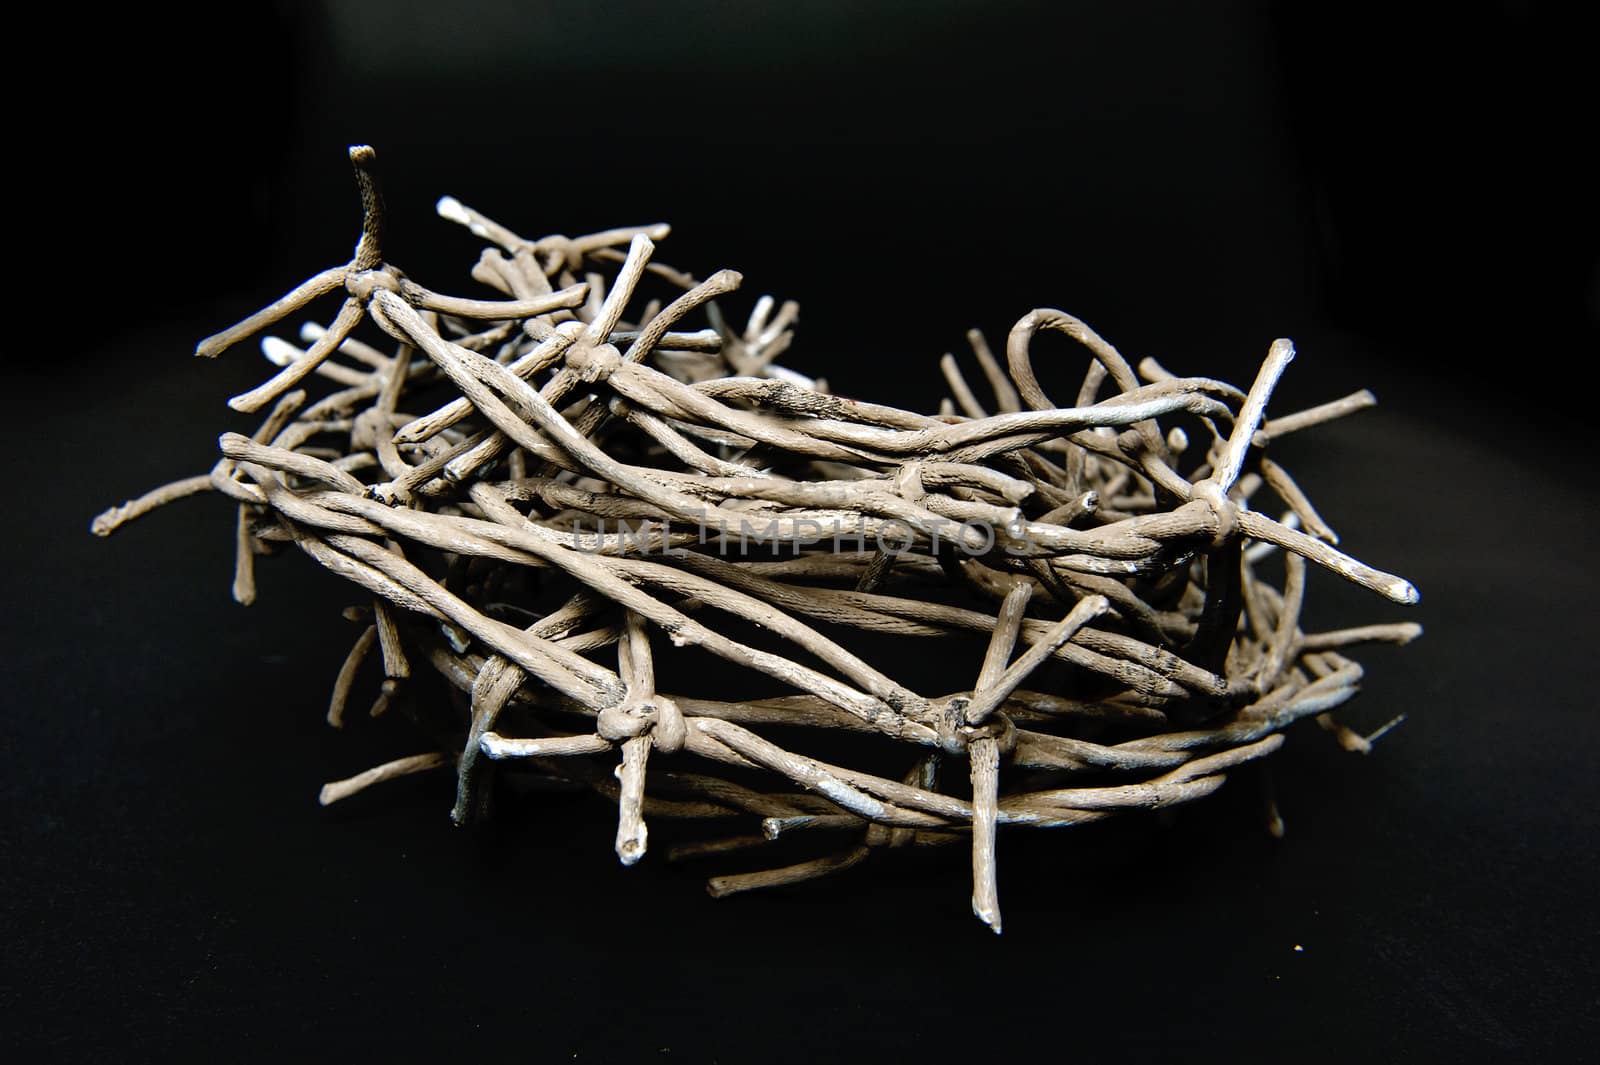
572, 479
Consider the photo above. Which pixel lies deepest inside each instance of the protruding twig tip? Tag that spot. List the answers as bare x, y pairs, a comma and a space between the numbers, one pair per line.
450, 209
987, 916
280, 352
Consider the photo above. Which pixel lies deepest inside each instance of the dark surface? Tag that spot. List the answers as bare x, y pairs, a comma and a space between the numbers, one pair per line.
1183, 182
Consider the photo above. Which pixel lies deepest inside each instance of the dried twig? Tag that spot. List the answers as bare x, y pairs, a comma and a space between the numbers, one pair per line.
593, 479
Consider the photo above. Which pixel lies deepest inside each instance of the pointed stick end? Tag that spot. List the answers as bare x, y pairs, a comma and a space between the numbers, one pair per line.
1384, 731
641, 245
449, 208
632, 849
987, 915
280, 352
1403, 592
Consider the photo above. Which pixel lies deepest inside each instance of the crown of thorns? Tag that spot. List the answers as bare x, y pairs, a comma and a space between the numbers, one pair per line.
567, 497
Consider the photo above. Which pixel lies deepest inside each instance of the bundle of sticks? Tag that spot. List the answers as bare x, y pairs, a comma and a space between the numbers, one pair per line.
542, 494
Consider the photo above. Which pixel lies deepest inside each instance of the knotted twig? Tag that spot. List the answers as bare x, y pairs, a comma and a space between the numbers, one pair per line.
592, 481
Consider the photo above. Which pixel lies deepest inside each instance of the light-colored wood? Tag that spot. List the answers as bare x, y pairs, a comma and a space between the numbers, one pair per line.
586, 480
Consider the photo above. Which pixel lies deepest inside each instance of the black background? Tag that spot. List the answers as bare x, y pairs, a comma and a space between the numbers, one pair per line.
1405, 194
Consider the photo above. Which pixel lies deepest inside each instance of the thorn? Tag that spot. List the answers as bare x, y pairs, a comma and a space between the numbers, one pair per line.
1384, 731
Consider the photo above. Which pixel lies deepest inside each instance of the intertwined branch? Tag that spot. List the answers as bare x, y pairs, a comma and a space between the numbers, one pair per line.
575, 479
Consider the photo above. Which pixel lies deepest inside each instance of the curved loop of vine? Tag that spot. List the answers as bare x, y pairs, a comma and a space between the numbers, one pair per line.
573, 493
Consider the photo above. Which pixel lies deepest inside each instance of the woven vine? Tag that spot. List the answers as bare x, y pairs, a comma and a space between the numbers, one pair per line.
542, 493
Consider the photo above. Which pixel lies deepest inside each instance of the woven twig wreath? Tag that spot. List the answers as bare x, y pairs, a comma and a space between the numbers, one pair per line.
567, 500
